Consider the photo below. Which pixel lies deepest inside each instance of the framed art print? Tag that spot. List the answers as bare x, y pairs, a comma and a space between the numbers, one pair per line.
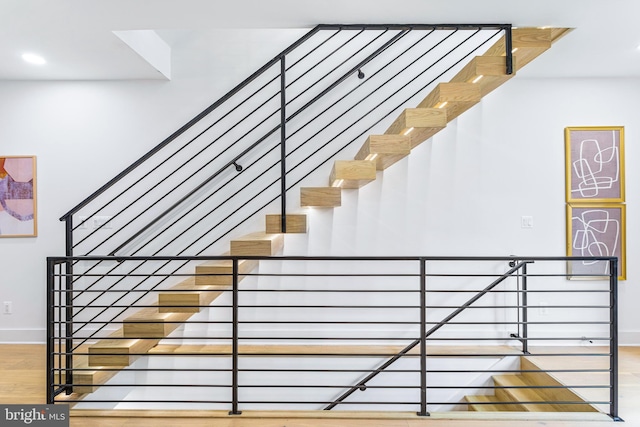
18, 214
594, 169
596, 230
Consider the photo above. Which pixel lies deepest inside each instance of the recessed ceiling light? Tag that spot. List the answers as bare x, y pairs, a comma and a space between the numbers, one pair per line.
32, 58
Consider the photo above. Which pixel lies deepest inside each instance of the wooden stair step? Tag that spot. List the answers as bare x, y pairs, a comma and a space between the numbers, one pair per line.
89, 380
528, 43
536, 376
296, 223
320, 197
150, 322
86, 379
517, 390
352, 173
454, 98
257, 244
184, 301
384, 150
116, 350
419, 124
487, 72
488, 403
220, 273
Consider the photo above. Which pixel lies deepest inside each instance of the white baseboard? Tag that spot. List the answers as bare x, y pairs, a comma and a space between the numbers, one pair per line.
629, 337
23, 336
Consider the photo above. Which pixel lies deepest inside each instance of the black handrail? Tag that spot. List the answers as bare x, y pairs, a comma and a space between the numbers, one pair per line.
362, 384
284, 117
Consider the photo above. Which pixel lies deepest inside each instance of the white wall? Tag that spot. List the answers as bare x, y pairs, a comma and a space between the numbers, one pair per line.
461, 193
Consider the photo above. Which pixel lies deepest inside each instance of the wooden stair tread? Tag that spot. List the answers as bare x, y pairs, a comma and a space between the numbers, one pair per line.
296, 223
257, 244
320, 197
219, 272
519, 391
528, 43
538, 377
488, 403
487, 72
112, 351
454, 98
352, 173
181, 299
419, 124
384, 150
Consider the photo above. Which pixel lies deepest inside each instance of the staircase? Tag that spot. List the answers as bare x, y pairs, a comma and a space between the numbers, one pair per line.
528, 391
142, 331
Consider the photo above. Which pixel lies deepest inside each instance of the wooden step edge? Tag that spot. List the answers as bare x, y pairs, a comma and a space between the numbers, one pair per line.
513, 388
86, 379
295, 223
454, 98
488, 403
528, 43
117, 351
487, 72
320, 197
384, 150
188, 301
257, 244
352, 173
150, 322
419, 124
536, 376
219, 272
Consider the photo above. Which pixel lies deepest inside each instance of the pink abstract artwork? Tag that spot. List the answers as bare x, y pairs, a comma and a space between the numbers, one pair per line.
17, 196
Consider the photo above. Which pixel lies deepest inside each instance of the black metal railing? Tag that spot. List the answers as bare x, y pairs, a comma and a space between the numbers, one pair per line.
400, 333
259, 141
245, 152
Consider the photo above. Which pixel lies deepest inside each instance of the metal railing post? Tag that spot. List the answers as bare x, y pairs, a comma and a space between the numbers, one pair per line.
423, 339
234, 343
508, 45
613, 346
50, 329
283, 149
68, 330
525, 312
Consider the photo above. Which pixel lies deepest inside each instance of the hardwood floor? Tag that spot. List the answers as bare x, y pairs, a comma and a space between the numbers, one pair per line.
22, 380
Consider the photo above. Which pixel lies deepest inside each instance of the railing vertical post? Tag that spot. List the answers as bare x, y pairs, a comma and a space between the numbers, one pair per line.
613, 346
423, 338
68, 329
283, 148
234, 343
50, 329
508, 45
525, 312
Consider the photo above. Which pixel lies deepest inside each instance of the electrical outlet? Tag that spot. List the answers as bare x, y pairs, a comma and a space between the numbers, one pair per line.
7, 307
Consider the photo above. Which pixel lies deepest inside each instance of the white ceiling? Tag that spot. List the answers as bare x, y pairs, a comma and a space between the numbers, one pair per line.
76, 36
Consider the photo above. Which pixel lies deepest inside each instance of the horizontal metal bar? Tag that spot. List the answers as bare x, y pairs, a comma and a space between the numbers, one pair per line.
60, 259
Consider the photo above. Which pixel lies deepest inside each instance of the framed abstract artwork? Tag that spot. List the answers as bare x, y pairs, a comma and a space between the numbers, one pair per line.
18, 213
594, 159
596, 230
